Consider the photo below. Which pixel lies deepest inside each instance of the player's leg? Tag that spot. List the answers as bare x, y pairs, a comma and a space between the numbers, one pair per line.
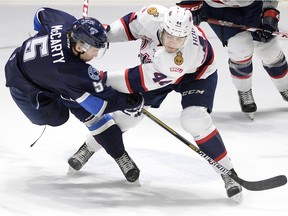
275, 63
196, 120
48, 111
240, 51
103, 132
108, 131
84, 153
110, 136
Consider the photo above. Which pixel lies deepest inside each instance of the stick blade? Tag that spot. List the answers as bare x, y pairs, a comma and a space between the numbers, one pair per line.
265, 184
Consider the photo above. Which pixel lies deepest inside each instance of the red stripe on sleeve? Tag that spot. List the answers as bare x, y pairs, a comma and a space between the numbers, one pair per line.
126, 28
127, 81
142, 78
132, 17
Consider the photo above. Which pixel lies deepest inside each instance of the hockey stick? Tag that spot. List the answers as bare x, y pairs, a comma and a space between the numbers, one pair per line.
265, 184
85, 8
242, 27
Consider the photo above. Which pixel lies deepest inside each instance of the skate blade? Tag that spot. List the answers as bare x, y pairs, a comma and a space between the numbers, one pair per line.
71, 171
238, 198
135, 183
250, 115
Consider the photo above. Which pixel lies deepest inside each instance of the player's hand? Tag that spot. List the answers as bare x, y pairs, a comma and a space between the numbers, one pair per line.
135, 105
196, 9
270, 21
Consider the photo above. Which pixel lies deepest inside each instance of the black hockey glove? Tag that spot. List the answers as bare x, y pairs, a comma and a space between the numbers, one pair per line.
135, 105
196, 9
270, 21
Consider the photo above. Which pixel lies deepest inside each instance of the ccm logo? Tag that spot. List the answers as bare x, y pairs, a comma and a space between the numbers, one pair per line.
194, 91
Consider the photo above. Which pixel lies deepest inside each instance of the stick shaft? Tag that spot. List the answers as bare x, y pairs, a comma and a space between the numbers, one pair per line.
242, 27
85, 8
186, 142
265, 184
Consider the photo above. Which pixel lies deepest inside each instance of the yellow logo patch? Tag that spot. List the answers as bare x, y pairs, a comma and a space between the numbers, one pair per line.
153, 11
178, 60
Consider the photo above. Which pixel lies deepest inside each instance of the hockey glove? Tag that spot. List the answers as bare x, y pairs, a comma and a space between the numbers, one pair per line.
196, 9
270, 21
135, 105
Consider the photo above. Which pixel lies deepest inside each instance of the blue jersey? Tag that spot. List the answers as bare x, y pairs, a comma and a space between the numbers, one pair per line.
46, 63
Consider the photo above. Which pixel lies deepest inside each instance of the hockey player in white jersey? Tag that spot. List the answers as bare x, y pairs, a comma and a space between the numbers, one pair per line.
175, 55
241, 44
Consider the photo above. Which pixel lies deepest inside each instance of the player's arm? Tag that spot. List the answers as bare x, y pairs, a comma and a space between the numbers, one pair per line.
141, 78
120, 30
113, 101
94, 95
131, 26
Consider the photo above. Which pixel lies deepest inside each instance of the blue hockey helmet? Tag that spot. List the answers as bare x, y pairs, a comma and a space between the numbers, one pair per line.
89, 30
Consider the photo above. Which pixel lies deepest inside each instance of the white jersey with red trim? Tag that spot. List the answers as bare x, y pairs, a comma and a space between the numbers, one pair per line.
159, 68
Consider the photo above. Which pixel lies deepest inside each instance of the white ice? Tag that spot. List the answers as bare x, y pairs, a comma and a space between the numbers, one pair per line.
174, 179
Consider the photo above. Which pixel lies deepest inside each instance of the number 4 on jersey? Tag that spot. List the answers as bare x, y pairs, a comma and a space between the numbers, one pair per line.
159, 77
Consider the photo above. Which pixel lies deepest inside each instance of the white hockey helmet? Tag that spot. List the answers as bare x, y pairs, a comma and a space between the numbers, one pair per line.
178, 21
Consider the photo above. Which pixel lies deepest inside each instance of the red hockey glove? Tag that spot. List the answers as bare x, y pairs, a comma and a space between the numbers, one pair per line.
270, 21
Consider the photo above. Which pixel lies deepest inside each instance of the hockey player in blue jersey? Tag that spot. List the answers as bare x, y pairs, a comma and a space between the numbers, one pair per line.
48, 76
241, 44
175, 56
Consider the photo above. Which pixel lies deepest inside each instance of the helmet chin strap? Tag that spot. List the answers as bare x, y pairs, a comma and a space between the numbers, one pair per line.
159, 35
79, 53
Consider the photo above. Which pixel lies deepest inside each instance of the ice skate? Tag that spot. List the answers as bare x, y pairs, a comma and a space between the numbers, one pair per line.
78, 160
128, 167
247, 103
284, 95
233, 189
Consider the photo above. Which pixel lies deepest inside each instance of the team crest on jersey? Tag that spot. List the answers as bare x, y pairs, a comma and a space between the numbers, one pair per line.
93, 73
153, 11
178, 60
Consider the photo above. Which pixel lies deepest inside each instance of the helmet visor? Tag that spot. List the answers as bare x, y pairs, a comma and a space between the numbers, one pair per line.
102, 51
